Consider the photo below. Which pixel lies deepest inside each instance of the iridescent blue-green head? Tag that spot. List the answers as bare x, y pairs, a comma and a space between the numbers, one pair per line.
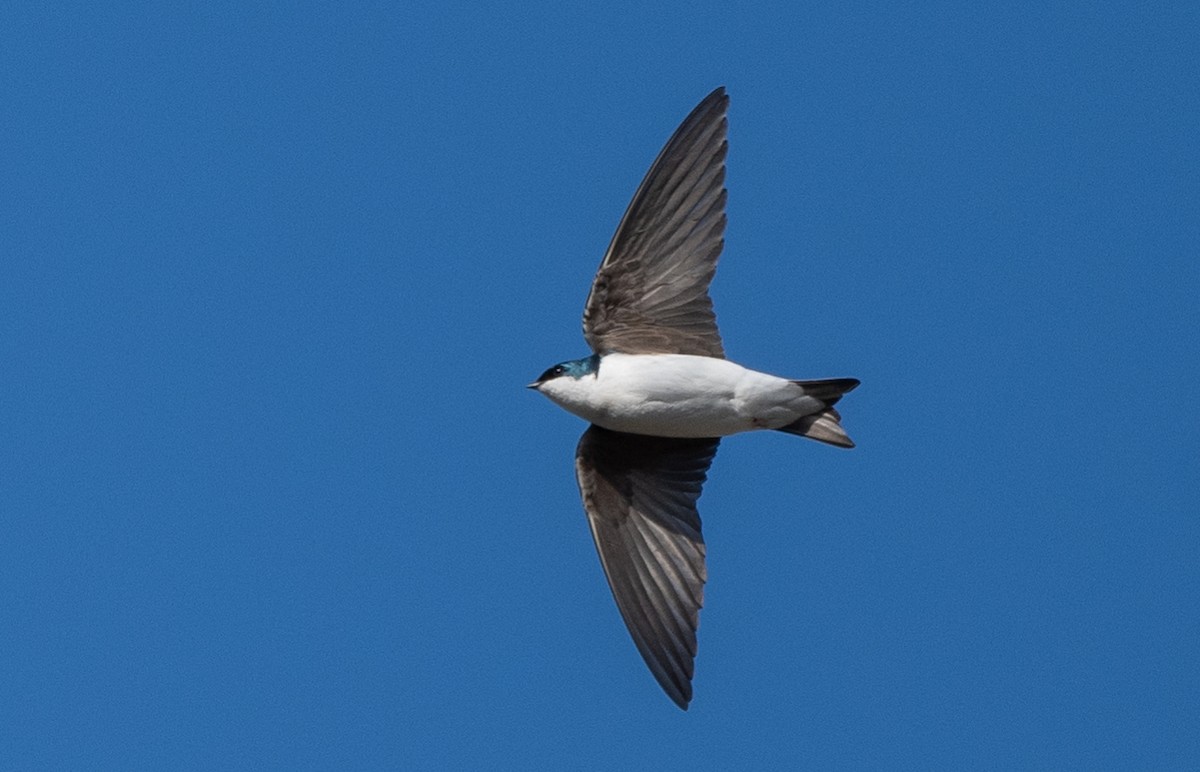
575, 368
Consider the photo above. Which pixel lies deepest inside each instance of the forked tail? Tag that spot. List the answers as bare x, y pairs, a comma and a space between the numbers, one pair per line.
825, 425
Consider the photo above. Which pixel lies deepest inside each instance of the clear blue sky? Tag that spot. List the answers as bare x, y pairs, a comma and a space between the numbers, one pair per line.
272, 280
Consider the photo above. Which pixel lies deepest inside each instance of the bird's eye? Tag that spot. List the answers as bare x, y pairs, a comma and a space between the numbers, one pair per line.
553, 372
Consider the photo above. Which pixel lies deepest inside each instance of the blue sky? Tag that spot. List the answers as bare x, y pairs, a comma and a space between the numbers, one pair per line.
273, 277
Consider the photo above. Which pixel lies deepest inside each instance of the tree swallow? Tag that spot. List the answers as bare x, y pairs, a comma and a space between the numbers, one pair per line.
660, 394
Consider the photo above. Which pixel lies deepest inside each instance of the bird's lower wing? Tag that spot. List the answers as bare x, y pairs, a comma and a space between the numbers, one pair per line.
640, 495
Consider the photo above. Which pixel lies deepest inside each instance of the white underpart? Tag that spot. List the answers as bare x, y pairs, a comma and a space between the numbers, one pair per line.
677, 395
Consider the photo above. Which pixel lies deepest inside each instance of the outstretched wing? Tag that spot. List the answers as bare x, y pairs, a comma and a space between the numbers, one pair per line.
640, 495
650, 295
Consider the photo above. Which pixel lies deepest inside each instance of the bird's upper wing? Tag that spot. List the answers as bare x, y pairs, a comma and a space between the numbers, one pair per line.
640, 494
650, 295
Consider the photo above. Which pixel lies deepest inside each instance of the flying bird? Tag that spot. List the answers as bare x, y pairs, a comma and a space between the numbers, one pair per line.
660, 394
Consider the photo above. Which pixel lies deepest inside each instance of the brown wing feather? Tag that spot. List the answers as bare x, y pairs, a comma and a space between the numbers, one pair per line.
650, 295
640, 495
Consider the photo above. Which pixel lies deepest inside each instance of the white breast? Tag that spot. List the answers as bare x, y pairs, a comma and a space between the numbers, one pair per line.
676, 395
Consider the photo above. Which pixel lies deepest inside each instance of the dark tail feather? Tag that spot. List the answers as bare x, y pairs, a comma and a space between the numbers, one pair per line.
824, 425
829, 391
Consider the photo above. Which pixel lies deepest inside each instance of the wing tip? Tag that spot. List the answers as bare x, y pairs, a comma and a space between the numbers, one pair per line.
718, 93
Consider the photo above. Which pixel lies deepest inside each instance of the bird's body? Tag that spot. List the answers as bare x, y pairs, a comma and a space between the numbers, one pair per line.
660, 394
680, 395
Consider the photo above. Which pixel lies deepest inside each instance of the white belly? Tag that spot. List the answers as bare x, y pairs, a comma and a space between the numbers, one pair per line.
676, 395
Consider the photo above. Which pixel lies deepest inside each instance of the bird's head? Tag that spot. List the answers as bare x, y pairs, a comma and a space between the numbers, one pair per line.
573, 369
